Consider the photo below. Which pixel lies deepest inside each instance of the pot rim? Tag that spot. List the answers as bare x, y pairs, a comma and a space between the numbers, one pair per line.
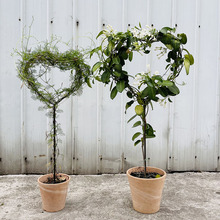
143, 179
49, 184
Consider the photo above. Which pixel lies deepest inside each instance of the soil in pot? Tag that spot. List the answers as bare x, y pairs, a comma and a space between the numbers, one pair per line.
59, 179
149, 175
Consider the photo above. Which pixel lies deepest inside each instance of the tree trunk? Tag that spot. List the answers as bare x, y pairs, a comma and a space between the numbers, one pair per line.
54, 143
144, 151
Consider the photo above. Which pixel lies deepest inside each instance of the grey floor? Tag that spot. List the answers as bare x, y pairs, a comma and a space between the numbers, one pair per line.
189, 196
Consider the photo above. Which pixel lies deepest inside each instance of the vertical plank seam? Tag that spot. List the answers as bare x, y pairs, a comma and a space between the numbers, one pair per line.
99, 101
218, 97
196, 69
23, 146
148, 60
123, 118
71, 103
170, 160
49, 8
75, 102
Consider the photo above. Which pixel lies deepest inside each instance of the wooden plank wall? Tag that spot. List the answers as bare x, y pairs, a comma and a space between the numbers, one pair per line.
97, 137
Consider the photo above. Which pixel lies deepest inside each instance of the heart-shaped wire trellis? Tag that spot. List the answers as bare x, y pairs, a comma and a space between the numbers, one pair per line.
39, 83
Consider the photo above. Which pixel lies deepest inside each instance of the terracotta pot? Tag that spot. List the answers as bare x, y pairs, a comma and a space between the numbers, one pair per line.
146, 193
53, 195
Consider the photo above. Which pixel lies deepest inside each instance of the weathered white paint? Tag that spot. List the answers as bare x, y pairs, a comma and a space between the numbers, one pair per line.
97, 137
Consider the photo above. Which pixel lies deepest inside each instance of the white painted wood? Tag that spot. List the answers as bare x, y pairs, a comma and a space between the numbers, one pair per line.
97, 137
85, 106
10, 106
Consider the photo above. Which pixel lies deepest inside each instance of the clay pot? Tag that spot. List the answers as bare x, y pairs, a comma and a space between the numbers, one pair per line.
53, 195
146, 193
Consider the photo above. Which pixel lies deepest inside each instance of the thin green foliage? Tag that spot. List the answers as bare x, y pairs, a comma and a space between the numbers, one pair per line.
34, 70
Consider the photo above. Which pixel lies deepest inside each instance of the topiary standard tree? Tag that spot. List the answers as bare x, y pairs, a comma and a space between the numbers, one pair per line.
145, 88
33, 68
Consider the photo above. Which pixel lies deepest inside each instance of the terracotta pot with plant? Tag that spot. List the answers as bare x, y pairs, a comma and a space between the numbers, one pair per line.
144, 89
34, 69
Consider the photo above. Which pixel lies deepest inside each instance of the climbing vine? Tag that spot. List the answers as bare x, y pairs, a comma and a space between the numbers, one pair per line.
35, 71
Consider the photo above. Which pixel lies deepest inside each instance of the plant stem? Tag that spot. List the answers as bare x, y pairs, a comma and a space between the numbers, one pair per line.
54, 143
144, 151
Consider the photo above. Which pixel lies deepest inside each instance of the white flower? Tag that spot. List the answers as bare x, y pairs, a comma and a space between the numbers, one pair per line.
143, 74
135, 32
109, 31
156, 72
148, 68
144, 33
109, 28
135, 83
162, 102
138, 79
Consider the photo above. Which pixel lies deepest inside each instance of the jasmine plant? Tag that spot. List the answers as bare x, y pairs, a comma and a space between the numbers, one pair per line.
146, 88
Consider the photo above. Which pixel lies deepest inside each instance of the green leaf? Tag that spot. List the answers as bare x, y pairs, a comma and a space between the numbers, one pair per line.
118, 67
129, 41
124, 54
116, 73
190, 58
163, 91
116, 60
139, 109
183, 38
106, 52
144, 92
187, 65
158, 77
105, 77
110, 46
135, 135
140, 24
120, 86
158, 176
169, 100
95, 51
165, 83
129, 94
175, 44
120, 44
111, 85
169, 46
150, 132
100, 33
149, 83
136, 124
88, 82
164, 30
134, 116
150, 92
137, 142
174, 89
96, 66
129, 104
98, 78
113, 93
130, 56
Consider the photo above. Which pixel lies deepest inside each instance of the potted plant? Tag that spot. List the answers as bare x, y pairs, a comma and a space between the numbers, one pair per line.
144, 89
33, 69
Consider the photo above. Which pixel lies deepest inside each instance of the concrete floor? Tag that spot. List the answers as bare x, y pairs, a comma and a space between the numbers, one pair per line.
188, 196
